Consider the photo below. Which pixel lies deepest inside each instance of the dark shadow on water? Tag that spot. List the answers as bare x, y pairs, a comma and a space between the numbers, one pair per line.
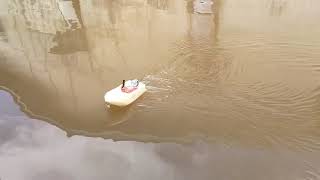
71, 41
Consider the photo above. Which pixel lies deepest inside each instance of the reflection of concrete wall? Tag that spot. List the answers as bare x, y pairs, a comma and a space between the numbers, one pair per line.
203, 6
69, 14
201, 20
159, 4
131, 32
28, 56
43, 16
3, 7
3, 36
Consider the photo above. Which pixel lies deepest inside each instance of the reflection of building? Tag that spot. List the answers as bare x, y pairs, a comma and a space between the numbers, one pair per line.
45, 16
119, 26
101, 13
69, 13
42, 16
201, 15
58, 17
70, 41
3, 36
203, 6
159, 4
277, 7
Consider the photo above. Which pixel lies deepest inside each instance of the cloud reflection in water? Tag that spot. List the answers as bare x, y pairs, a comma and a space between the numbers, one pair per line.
35, 150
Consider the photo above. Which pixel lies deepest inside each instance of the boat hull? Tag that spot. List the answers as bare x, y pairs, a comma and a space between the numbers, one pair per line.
119, 98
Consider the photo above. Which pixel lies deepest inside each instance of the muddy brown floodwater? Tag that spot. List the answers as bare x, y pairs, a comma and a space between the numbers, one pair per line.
233, 89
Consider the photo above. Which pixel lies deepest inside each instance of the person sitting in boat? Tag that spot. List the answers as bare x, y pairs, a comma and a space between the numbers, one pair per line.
129, 86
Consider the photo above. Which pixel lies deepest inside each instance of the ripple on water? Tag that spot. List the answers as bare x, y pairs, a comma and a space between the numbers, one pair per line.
206, 84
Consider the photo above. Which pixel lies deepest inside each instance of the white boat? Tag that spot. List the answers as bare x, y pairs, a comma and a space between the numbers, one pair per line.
125, 94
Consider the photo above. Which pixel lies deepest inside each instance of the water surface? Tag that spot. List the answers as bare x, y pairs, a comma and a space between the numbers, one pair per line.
233, 89
234, 72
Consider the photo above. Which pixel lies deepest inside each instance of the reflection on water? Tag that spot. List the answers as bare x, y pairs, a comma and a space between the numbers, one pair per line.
235, 72
277, 6
34, 150
203, 6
